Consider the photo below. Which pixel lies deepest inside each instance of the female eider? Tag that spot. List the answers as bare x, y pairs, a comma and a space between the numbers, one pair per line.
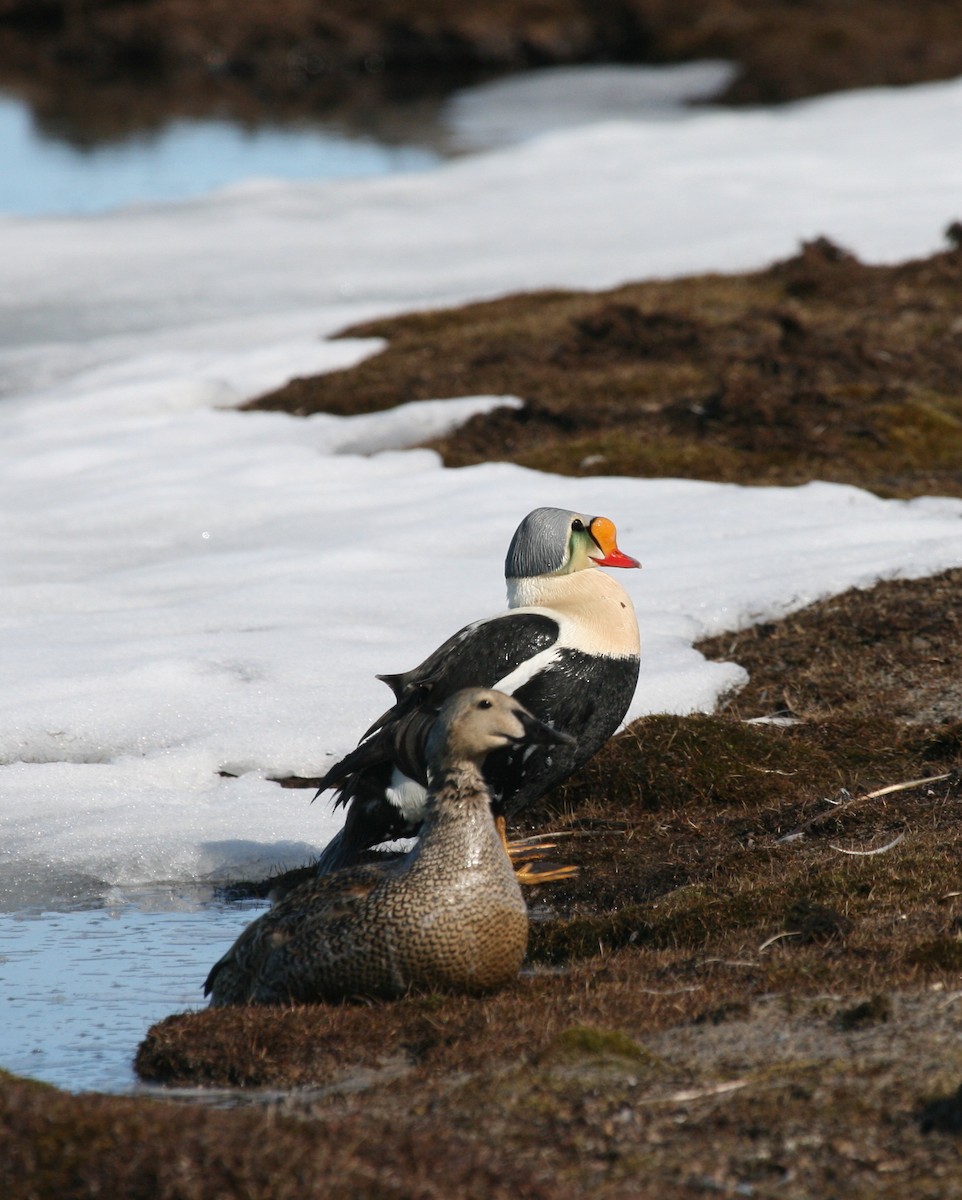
567, 648
448, 916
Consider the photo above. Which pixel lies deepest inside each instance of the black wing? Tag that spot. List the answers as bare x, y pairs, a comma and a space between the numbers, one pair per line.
476, 656
479, 655
585, 695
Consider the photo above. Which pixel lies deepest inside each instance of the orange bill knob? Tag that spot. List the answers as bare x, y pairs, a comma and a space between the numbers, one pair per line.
605, 535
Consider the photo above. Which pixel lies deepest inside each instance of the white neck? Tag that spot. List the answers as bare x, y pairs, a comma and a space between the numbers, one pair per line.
595, 603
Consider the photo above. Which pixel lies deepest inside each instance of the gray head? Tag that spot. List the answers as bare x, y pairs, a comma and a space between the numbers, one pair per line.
475, 721
554, 541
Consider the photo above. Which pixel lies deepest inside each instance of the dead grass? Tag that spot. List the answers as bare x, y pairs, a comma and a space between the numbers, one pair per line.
892, 649
260, 56
820, 367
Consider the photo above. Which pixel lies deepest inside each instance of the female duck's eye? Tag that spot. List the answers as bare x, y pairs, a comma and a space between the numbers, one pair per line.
578, 526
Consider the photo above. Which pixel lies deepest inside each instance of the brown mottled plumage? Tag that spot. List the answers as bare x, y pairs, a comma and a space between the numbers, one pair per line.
449, 915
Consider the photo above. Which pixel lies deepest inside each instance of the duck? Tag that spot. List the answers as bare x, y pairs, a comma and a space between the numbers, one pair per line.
448, 916
567, 647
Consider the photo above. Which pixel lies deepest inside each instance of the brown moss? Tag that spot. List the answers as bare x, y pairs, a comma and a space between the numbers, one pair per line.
585, 1042
70, 1147
888, 650
814, 922
877, 1008
819, 367
666, 762
941, 954
943, 1114
105, 66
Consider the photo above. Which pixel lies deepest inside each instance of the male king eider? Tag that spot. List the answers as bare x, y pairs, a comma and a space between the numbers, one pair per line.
567, 648
449, 915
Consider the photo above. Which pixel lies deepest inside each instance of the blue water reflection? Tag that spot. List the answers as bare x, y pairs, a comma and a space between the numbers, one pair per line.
44, 177
79, 990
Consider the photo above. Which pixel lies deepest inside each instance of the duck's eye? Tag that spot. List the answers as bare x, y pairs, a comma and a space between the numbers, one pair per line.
484, 704
577, 526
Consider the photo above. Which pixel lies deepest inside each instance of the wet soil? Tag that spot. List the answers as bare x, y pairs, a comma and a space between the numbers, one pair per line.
754, 985
105, 67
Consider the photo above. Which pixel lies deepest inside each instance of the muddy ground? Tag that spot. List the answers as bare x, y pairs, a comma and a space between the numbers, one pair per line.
754, 985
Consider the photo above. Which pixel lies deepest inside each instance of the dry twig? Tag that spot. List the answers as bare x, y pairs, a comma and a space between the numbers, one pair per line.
868, 853
885, 791
718, 1089
777, 937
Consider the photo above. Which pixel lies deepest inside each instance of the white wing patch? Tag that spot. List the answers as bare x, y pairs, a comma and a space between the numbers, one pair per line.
407, 795
526, 671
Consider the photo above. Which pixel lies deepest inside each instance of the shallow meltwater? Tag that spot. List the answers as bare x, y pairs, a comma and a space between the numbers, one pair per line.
63, 162
186, 158
80, 989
